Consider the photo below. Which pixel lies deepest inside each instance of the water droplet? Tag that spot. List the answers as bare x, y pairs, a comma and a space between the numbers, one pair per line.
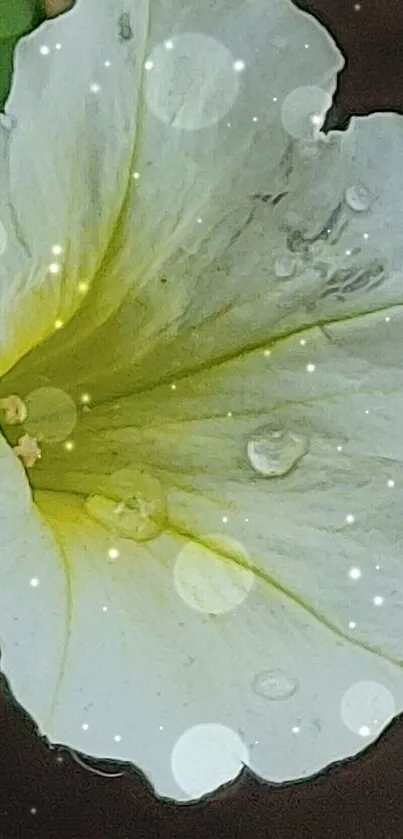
274, 684
284, 265
273, 451
358, 198
131, 503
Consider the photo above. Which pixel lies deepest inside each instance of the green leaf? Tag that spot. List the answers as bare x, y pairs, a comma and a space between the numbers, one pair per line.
16, 18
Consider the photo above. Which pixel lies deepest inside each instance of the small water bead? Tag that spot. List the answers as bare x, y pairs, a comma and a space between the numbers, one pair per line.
358, 198
274, 684
272, 451
130, 503
284, 265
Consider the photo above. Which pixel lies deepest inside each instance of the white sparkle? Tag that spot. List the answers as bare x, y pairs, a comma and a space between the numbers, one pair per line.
225, 519
303, 342
83, 287
149, 65
168, 45
295, 729
246, 519
33, 811
95, 87
173, 387
229, 414
275, 99
85, 726
306, 46
391, 482
254, 119
316, 119
85, 398
267, 353
352, 625
239, 65
57, 249
378, 600
347, 253
310, 368
366, 411
69, 446
160, 728
199, 221
58, 46
58, 324
387, 319
34, 582
113, 553
365, 235
354, 573
44, 50
377, 567
104, 608
365, 731
107, 63
136, 175
54, 267
339, 448
350, 518
117, 738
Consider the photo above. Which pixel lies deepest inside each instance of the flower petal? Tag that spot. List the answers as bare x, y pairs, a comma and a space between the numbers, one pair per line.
185, 126
310, 399
65, 164
35, 600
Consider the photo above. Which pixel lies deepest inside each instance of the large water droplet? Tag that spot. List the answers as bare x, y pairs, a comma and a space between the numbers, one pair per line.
272, 451
358, 198
274, 684
132, 504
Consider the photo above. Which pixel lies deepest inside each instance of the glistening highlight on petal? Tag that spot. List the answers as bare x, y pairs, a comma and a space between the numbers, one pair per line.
205, 558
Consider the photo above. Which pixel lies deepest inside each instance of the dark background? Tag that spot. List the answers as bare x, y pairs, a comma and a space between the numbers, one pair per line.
45, 793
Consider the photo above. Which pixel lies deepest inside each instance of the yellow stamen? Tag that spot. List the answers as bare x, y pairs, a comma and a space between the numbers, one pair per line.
28, 450
15, 409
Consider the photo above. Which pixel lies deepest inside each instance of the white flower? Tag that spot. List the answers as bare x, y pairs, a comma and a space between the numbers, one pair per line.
228, 294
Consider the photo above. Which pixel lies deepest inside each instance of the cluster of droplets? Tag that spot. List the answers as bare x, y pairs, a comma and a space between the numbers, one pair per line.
299, 253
